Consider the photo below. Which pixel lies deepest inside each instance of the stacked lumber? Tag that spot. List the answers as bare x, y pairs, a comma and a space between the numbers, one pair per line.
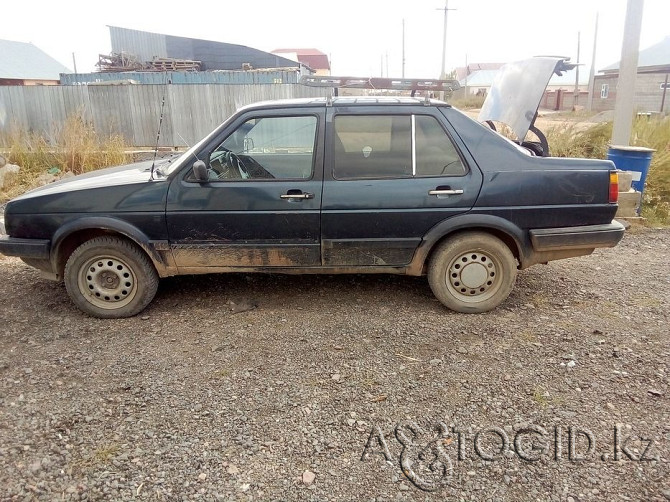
116, 62
172, 64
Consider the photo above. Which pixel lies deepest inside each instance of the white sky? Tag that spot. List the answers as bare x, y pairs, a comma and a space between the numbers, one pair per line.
356, 34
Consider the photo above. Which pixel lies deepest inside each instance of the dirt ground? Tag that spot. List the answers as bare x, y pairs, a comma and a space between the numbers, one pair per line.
249, 387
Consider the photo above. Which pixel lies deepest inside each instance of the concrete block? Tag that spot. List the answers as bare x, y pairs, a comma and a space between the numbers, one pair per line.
625, 181
629, 204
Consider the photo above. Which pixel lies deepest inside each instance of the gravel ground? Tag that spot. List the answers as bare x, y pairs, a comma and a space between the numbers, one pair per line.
270, 387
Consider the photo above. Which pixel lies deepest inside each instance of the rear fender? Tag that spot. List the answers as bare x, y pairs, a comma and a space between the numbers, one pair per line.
513, 236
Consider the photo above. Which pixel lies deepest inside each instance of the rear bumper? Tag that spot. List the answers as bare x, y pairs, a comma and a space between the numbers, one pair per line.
586, 237
25, 248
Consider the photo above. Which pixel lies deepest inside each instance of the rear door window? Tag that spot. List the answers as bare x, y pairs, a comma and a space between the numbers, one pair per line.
393, 146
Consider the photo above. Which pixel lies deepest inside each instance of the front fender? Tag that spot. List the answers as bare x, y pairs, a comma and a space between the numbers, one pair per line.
511, 234
110, 224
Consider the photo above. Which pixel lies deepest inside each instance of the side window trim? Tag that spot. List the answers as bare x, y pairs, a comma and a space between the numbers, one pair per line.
413, 143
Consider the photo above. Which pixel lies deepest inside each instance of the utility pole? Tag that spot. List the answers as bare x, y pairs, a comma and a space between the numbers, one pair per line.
403, 48
467, 72
446, 9
592, 73
625, 90
575, 101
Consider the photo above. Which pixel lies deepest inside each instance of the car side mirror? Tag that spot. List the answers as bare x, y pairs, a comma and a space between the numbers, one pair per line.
200, 171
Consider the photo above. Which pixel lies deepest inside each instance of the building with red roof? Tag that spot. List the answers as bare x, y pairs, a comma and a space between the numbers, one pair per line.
313, 58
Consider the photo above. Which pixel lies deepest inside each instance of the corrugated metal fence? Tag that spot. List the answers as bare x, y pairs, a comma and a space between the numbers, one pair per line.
190, 111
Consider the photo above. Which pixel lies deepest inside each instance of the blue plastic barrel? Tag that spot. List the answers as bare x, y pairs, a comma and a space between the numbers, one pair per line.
632, 158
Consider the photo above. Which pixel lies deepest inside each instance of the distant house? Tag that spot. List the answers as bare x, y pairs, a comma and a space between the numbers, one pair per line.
312, 58
651, 86
23, 63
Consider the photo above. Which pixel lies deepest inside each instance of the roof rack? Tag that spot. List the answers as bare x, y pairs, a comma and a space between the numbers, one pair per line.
399, 84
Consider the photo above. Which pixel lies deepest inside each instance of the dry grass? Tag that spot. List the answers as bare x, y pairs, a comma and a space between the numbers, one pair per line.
468, 103
74, 147
656, 134
570, 140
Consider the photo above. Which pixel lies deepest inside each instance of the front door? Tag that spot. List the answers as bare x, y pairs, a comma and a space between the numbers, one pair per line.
260, 206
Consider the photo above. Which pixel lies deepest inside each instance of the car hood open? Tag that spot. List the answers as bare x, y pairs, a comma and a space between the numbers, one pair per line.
517, 91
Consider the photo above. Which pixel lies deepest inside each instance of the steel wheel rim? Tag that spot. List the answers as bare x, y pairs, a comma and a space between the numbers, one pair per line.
107, 282
474, 276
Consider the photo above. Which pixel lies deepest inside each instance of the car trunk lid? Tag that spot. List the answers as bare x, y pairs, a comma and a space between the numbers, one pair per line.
517, 91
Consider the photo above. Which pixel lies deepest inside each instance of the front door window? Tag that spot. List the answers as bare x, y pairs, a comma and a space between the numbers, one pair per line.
266, 148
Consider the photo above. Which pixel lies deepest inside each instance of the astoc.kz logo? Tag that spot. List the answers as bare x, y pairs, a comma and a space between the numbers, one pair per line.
425, 460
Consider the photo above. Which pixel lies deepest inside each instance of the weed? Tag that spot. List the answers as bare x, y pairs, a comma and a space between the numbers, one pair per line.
541, 397
467, 103
75, 146
220, 374
101, 455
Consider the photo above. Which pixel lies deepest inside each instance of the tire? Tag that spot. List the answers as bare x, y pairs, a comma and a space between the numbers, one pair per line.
110, 277
472, 272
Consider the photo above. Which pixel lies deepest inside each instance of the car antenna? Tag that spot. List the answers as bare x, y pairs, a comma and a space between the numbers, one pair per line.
188, 146
160, 124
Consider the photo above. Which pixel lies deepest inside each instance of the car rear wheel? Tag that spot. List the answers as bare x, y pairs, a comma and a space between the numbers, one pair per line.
110, 277
472, 272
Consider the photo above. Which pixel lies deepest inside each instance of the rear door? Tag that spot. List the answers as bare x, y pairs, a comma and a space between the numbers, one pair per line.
392, 174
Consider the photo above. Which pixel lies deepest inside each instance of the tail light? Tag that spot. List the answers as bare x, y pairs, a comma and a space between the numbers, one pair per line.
614, 187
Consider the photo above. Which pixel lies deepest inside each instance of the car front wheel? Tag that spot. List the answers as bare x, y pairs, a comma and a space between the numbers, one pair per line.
472, 272
110, 277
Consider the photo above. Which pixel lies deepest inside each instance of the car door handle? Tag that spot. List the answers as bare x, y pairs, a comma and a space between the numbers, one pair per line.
439, 191
296, 195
